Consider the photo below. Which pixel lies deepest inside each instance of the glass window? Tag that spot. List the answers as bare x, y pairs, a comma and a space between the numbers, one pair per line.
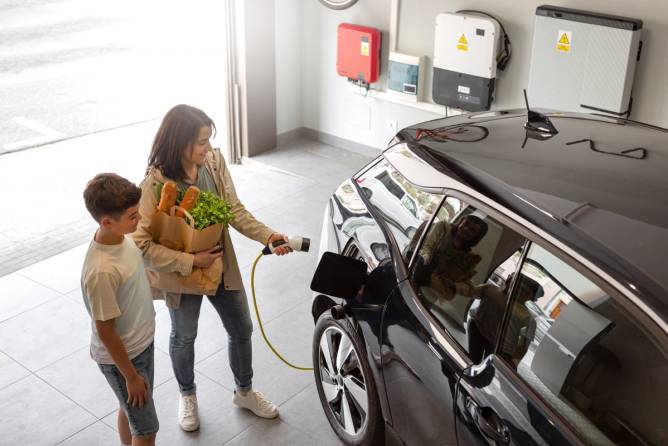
460, 274
404, 207
585, 355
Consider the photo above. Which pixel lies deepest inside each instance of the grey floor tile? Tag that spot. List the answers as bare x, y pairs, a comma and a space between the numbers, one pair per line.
45, 334
246, 249
20, 294
76, 296
291, 335
304, 412
61, 273
281, 283
10, 371
304, 224
270, 189
46, 416
90, 389
273, 432
321, 163
98, 434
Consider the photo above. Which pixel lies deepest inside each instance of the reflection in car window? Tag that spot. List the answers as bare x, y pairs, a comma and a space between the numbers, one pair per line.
585, 355
403, 206
460, 274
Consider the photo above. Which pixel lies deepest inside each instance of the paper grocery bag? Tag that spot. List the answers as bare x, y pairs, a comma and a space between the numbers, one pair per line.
179, 233
200, 281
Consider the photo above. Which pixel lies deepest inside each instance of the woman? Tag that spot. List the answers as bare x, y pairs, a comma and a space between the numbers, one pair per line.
182, 152
450, 257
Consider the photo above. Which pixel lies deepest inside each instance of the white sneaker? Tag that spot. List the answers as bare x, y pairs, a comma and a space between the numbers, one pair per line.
256, 403
188, 417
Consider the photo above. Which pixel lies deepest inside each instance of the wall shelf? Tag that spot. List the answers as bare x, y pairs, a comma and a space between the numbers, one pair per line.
382, 95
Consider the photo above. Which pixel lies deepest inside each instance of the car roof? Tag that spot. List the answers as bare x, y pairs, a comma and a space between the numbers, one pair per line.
600, 185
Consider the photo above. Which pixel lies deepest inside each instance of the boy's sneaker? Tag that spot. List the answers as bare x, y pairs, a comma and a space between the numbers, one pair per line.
188, 416
256, 403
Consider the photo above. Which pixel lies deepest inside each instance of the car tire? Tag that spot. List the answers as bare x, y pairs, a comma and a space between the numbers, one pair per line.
345, 385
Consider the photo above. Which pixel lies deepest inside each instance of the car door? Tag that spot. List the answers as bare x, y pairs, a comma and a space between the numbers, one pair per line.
384, 243
574, 364
425, 342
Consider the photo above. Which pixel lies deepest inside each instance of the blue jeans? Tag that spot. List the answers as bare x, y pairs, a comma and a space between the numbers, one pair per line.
143, 420
232, 307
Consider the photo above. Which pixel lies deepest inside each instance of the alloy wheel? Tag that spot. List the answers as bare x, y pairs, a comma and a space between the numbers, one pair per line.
343, 381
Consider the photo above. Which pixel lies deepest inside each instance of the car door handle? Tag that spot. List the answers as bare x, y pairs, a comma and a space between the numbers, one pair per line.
488, 422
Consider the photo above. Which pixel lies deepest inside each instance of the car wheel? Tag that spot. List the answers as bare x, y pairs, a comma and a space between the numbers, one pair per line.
345, 386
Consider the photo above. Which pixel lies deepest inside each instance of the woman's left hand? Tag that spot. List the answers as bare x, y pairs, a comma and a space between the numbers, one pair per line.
283, 249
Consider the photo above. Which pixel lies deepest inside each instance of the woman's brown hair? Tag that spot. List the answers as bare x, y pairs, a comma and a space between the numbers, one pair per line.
178, 131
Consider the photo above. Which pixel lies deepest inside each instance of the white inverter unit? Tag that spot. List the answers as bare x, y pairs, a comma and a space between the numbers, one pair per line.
583, 61
465, 51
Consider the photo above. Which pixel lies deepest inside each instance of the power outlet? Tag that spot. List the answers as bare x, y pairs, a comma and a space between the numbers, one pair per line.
392, 125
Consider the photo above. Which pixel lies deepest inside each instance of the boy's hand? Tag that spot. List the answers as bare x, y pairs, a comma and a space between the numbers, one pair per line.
136, 385
204, 259
137, 390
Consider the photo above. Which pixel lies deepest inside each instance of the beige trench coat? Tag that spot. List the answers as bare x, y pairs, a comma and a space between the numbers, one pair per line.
160, 259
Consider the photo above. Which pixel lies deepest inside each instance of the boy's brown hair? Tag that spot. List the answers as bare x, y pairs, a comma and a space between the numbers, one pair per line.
108, 194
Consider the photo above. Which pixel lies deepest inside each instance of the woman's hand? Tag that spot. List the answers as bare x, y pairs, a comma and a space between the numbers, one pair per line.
283, 249
204, 259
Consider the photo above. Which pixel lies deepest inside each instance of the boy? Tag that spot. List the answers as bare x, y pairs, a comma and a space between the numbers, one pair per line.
118, 299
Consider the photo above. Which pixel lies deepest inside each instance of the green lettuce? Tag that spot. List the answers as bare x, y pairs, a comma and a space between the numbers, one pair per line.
210, 210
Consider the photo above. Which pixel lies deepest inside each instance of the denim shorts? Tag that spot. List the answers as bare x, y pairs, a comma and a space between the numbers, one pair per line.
143, 420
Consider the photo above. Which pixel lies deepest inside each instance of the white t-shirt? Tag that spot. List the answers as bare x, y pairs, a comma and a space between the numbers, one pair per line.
114, 286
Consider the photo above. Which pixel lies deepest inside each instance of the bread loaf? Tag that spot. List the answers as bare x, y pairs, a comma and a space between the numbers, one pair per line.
167, 197
188, 201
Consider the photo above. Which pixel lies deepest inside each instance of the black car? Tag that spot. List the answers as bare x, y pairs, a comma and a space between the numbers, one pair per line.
485, 281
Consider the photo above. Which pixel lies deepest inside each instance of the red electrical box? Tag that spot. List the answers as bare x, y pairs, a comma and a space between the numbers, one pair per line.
358, 52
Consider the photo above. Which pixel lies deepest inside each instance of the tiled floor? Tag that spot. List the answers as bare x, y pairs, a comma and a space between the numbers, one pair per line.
51, 392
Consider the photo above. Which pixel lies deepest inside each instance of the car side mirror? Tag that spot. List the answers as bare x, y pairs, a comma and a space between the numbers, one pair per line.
339, 276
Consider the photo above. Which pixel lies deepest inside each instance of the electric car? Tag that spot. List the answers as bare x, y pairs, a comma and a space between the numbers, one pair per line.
525, 301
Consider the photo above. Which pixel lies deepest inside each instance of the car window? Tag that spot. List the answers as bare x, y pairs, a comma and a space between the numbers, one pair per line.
585, 355
404, 207
460, 274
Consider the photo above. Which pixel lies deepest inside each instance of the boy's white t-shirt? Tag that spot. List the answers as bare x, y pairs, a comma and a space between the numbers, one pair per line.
114, 286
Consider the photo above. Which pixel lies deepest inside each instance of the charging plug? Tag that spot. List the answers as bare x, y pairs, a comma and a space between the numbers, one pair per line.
295, 242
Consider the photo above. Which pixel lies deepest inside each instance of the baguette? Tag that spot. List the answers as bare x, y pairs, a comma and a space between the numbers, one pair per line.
167, 197
188, 201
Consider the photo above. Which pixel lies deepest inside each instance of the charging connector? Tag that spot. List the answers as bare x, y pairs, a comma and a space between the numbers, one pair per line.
295, 242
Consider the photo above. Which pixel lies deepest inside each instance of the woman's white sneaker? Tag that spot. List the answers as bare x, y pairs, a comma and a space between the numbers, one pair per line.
256, 403
188, 415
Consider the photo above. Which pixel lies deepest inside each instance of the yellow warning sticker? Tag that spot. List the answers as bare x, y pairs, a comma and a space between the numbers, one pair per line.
564, 41
365, 48
462, 43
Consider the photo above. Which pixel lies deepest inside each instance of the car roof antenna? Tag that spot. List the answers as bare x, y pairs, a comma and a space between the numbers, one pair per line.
538, 121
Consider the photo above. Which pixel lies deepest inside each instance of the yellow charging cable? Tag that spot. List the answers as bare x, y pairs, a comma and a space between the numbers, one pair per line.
257, 313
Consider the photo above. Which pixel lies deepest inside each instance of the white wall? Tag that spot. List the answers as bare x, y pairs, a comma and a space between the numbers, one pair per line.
288, 40
328, 106
256, 53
